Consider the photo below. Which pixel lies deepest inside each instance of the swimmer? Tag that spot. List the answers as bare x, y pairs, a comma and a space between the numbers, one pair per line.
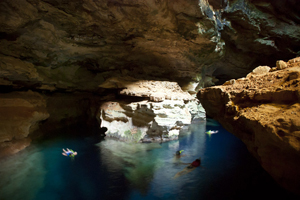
178, 153
69, 153
195, 163
211, 132
191, 166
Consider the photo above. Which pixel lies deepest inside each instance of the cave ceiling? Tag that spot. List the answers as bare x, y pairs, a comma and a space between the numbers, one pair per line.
75, 45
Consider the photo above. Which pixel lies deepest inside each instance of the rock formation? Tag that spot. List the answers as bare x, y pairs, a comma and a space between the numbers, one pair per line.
20, 114
66, 52
158, 114
76, 45
263, 110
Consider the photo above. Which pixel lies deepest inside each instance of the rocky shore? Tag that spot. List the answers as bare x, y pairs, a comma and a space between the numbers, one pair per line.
263, 110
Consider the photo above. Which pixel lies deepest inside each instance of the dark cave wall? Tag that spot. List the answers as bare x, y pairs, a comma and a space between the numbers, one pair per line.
257, 33
74, 46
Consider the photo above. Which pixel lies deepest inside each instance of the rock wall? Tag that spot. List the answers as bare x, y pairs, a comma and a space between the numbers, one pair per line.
76, 45
158, 113
20, 114
27, 115
54, 47
263, 110
255, 32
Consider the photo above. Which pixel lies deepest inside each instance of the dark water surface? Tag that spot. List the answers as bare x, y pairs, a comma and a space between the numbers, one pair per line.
110, 169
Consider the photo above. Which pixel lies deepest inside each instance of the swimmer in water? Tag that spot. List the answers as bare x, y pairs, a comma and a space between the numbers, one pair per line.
69, 152
211, 132
178, 153
191, 166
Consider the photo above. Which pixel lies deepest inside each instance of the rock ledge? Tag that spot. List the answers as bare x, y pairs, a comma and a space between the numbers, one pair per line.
263, 110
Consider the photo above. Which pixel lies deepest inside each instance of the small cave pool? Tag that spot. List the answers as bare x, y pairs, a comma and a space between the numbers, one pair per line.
110, 169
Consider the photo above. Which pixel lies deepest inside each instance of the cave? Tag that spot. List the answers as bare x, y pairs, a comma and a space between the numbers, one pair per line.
138, 71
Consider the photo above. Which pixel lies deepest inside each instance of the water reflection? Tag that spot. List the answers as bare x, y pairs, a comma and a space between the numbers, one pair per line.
136, 160
151, 167
111, 169
22, 175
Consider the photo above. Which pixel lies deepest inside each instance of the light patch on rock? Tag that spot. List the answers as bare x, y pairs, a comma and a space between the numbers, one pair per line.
261, 70
263, 110
280, 64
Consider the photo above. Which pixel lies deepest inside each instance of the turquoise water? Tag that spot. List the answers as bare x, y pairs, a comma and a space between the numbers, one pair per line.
109, 169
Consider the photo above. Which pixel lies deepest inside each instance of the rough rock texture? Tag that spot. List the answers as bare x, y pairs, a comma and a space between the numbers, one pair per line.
263, 110
27, 115
76, 45
154, 90
159, 117
20, 115
256, 32
60, 48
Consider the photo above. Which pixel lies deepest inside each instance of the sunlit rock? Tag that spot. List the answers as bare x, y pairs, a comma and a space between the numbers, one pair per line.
263, 110
145, 120
165, 110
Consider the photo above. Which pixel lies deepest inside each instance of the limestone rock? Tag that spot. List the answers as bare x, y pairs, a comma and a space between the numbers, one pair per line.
20, 114
76, 45
159, 117
144, 121
280, 64
261, 70
263, 110
155, 90
257, 33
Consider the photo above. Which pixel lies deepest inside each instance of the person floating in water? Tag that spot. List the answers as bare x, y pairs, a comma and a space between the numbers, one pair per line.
69, 152
191, 166
211, 132
178, 153
195, 163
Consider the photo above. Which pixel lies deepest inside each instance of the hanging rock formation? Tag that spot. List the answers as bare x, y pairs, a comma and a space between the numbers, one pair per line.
64, 50
263, 110
75, 45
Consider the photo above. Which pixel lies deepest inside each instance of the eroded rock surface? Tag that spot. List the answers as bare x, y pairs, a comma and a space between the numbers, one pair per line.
73, 46
166, 108
263, 110
27, 115
76, 45
20, 114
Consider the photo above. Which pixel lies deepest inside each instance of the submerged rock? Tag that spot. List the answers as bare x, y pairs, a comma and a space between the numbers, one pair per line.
263, 110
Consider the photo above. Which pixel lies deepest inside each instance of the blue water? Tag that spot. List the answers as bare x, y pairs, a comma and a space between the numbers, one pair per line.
110, 169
